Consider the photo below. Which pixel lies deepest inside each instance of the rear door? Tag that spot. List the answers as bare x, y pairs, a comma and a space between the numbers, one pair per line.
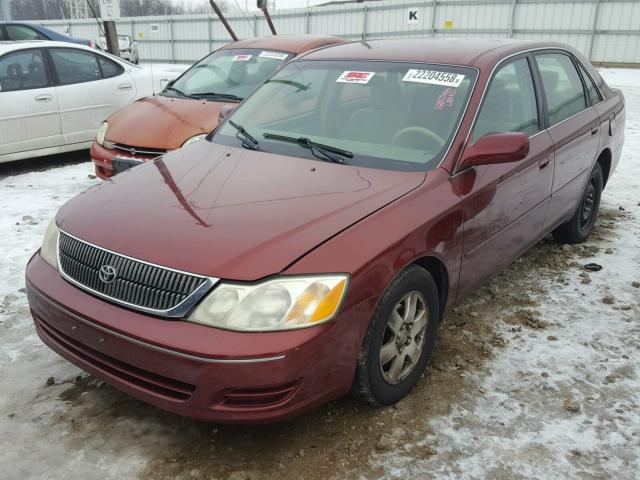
506, 207
29, 116
90, 88
573, 126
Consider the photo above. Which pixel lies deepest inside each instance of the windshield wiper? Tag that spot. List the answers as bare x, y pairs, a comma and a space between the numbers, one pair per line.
318, 150
181, 93
226, 96
248, 140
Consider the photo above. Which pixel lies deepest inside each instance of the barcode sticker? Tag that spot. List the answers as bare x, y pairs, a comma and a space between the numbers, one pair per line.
274, 55
434, 77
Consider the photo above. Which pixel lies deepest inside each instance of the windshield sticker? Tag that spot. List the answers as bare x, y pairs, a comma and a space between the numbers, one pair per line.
446, 98
241, 58
274, 55
433, 77
355, 77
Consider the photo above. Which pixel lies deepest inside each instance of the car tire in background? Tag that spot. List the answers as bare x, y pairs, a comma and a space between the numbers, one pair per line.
395, 336
578, 229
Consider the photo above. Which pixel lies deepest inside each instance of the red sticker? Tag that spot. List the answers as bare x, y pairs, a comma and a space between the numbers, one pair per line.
446, 98
351, 76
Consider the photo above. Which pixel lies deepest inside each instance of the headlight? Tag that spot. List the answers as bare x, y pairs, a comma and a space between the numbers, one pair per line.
195, 139
101, 133
280, 304
49, 249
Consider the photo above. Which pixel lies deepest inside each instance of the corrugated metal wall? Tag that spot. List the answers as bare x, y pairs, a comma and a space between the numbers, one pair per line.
607, 31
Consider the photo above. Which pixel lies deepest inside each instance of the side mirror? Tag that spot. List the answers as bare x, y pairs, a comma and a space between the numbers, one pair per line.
225, 110
495, 148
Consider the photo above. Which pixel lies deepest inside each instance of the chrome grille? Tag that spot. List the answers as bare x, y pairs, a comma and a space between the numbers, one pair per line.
138, 151
136, 284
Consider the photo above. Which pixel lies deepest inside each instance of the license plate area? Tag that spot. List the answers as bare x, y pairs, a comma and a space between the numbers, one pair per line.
122, 164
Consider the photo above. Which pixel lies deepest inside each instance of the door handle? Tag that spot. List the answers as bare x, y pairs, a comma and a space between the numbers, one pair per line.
125, 86
595, 130
44, 98
544, 163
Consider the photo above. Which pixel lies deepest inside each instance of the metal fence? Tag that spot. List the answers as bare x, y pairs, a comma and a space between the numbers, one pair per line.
607, 31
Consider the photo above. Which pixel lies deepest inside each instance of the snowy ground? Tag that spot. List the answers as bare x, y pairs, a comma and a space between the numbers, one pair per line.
533, 377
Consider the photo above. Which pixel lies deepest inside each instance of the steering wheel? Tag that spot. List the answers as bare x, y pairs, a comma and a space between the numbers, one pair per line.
430, 134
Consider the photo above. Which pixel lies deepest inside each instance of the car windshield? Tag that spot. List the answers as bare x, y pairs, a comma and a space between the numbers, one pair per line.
228, 74
393, 115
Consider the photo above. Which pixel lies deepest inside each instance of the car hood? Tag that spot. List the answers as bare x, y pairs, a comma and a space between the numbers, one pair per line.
227, 212
163, 122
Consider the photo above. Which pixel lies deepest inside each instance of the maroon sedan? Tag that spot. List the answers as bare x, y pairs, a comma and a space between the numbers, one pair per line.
310, 246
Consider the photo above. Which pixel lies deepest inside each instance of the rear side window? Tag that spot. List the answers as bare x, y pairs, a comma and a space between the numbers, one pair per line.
109, 68
75, 66
510, 102
22, 70
561, 85
22, 32
592, 90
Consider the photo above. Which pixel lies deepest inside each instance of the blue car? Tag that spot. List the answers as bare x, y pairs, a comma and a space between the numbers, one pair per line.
27, 31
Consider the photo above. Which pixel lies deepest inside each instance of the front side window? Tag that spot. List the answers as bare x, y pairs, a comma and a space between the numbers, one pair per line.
562, 86
390, 115
75, 66
510, 102
22, 32
232, 74
22, 71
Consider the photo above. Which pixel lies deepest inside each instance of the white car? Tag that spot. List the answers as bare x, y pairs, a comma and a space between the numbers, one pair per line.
128, 47
54, 95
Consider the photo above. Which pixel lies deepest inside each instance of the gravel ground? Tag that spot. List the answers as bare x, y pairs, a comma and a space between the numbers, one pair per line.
535, 376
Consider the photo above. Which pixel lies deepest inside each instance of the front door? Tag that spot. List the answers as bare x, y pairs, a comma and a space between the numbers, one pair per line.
29, 117
505, 210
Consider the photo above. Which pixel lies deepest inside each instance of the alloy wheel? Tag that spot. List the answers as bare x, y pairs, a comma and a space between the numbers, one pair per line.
404, 338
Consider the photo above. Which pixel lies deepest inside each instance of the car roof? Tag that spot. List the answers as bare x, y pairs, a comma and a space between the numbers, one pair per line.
452, 51
12, 45
287, 43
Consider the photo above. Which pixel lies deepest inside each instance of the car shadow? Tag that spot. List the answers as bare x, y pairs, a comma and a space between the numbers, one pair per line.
41, 164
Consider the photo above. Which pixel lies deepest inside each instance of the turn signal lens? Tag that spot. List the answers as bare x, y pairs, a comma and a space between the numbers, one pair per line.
101, 133
49, 249
279, 304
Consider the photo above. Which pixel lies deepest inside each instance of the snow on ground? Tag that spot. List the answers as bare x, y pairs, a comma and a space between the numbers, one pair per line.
511, 364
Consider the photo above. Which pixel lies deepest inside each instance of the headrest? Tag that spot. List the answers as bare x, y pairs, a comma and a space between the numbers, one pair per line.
550, 79
384, 94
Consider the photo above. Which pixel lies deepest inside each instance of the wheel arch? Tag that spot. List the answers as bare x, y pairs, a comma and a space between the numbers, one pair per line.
604, 159
438, 271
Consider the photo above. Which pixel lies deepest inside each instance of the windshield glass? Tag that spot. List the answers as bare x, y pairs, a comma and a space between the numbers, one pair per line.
393, 115
232, 73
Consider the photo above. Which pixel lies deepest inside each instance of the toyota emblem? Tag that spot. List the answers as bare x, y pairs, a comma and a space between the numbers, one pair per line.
107, 274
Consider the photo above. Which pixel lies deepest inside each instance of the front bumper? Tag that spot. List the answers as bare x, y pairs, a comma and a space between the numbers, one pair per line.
192, 370
102, 159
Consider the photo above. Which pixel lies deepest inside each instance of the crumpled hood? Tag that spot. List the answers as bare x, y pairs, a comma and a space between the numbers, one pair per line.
163, 122
229, 213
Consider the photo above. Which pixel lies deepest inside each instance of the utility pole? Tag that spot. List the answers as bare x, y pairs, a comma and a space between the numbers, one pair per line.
110, 12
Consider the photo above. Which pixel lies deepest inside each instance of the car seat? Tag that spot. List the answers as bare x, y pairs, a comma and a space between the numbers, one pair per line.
380, 121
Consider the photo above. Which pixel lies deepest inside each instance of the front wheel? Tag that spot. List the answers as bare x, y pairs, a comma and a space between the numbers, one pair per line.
400, 339
578, 229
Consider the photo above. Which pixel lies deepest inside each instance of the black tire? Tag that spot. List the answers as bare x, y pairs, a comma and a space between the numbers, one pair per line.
578, 229
370, 386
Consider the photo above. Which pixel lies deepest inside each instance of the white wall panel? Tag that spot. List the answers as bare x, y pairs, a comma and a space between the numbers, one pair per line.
187, 38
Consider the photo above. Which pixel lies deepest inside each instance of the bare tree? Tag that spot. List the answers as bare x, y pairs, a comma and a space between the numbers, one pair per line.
57, 9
